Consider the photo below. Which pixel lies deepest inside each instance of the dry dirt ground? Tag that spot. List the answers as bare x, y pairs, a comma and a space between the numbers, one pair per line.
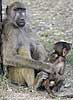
9, 91
57, 22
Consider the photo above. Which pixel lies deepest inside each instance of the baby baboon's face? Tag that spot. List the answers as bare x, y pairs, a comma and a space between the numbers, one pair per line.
62, 48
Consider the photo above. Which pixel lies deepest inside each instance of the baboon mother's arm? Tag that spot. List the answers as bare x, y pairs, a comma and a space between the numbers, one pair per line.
38, 51
10, 58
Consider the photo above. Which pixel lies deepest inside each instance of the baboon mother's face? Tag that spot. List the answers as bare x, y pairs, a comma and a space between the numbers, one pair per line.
19, 16
16, 12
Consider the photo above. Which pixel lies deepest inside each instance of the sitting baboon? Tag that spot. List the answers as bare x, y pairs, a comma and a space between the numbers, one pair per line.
55, 80
17, 40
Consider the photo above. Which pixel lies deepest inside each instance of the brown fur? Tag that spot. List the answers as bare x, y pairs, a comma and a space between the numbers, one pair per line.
58, 58
54, 80
22, 75
18, 41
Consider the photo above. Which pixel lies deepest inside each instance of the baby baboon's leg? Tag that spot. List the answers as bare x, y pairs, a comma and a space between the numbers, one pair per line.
46, 84
39, 79
58, 84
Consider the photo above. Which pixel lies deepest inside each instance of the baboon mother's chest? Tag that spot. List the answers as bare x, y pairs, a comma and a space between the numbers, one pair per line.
23, 45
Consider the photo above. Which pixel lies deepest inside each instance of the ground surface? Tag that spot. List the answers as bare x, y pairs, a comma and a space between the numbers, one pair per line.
9, 91
53, 21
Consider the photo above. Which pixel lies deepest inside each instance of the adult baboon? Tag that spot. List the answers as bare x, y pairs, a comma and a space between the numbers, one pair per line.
18, 41
54, 80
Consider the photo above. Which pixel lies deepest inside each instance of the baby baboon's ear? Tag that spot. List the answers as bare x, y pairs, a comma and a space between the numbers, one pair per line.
71, 45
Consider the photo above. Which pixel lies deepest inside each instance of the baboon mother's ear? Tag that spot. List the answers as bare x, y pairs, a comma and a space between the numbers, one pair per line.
7, 9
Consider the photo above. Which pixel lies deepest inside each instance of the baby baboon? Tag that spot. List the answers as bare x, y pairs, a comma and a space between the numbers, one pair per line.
18, 42
59, 49
57, 58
